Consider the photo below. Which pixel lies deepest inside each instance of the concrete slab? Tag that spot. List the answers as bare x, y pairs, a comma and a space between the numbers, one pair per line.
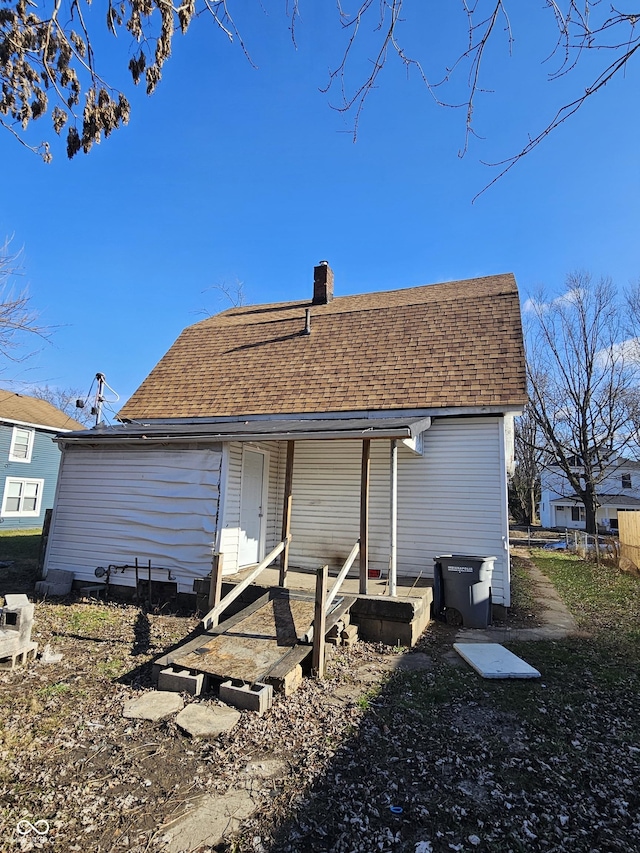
492, 660
15, 599
217, 815
153, 706
200, 720
208, 823
410, 662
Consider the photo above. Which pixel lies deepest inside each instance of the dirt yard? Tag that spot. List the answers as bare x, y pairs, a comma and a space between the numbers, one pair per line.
424, 760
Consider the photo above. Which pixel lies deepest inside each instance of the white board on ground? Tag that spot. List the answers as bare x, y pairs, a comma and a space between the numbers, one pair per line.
492, 660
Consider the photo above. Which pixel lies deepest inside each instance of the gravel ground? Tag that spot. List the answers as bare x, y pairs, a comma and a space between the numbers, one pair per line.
376, 760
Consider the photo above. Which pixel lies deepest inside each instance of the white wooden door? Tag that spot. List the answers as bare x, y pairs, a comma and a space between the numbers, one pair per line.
252, 509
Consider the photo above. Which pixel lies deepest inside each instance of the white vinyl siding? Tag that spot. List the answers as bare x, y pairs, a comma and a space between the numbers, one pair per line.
453, 499
117, 504
22, 497
450, 500
21, 444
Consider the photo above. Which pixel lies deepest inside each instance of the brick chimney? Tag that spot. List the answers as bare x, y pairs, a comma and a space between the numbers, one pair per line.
322, 284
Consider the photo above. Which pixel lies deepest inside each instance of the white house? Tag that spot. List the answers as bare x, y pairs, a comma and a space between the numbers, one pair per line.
618, 491
384, 418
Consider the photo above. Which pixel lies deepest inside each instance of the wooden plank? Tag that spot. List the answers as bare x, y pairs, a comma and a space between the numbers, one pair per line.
212, 616
319, 622
286, 514
254, 643
215, 588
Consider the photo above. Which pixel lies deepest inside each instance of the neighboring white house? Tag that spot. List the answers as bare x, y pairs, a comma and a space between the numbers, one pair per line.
618, 491
308, 417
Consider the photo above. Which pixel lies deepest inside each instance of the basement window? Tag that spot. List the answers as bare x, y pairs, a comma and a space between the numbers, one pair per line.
21, 445
22, 497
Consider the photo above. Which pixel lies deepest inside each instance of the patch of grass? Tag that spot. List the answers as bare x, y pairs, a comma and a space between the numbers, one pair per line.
57, 689
365, 700
602, 599
111, 669
20, 549
522, 589
90, 619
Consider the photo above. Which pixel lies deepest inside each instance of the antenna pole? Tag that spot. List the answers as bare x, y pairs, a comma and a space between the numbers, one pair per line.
99, 397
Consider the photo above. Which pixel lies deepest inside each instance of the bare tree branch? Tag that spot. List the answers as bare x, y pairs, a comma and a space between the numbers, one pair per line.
17, 316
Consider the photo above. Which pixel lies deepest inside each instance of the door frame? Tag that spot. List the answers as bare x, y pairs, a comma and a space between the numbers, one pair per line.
265, 497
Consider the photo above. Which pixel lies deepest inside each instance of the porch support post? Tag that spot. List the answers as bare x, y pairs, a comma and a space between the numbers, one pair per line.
364, 515
319, 622
393, 538
215, 587
286, 514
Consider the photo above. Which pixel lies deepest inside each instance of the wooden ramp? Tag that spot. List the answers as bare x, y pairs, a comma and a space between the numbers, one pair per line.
262, 643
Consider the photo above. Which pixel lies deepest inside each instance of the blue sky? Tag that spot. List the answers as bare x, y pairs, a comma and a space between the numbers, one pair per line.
234, 173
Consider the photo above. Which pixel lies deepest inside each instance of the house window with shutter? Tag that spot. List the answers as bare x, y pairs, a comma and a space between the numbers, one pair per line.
21, 445
22, 497
626, 481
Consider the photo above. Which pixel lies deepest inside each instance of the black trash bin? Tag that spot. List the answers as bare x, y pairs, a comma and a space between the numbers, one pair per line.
463, 584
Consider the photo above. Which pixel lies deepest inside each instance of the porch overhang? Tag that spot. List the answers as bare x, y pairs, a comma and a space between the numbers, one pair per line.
405, 429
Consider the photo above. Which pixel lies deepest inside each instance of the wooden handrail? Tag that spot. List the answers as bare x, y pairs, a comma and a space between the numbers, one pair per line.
309, 636
213, 615
342, 575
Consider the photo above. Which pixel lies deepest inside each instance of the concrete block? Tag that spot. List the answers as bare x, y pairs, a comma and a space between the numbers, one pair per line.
335, 631
57, 582
349, 633
181, 681
256, 697
15, 599
288, 683
18, 656
16, 622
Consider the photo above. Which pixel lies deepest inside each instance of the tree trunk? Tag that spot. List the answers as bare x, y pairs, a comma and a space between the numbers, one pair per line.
533, 516
589, 499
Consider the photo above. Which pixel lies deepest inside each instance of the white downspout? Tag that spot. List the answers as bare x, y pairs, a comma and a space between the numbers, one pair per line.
393, 566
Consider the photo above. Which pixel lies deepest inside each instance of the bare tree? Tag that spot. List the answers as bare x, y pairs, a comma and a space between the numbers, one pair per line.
65, 400
227, 292
529, 454
582, 383
18, 319
48, 63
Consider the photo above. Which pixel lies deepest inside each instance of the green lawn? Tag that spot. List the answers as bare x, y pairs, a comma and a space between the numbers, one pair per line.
19, 549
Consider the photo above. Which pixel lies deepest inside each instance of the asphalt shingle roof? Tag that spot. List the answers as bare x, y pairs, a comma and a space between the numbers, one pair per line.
31, 410
457, 344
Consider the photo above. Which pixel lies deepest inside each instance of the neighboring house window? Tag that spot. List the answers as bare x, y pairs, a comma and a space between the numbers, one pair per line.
577, 513
626, 481
22, 497
574, 461
21, 445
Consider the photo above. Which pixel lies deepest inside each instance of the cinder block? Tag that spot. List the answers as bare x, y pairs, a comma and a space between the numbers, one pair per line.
181, 681
256, 697
335, 631
18, 656
16, 622
57, 582
349, 633
288, 683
